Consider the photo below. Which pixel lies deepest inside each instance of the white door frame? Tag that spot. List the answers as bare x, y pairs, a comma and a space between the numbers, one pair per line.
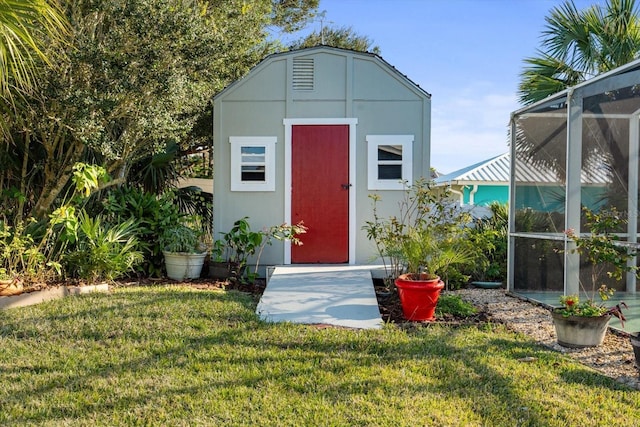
288, 124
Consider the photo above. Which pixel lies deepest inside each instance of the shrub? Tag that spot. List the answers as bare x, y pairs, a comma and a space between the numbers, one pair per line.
30, 249
239, 243
181, 238
103, 252
152, 215
489, 237
454, 305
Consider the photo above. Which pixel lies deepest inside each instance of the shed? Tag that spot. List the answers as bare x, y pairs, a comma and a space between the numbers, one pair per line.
307, 135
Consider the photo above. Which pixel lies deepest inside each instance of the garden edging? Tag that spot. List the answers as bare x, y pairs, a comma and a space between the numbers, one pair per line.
37, 297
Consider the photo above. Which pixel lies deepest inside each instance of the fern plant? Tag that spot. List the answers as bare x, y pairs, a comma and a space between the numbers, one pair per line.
181, 238
103, 252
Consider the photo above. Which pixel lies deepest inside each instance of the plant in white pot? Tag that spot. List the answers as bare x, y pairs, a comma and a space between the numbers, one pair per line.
420, 245
583, 323
184, 252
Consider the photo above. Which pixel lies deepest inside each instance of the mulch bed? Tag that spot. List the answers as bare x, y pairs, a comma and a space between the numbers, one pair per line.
388, 303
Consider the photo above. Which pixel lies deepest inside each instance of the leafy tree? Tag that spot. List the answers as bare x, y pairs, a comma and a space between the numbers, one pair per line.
138, 77
344, 37
577, 45
292, 15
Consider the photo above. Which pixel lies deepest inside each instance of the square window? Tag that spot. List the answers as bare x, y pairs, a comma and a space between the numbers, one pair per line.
389, 161
252, 163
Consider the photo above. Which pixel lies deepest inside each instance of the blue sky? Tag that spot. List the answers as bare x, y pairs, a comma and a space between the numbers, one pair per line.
467, 54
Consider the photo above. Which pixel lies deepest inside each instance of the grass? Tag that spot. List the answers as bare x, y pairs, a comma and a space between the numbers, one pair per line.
185, 357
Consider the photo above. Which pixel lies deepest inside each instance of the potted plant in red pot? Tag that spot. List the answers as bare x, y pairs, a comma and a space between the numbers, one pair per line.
419, 246
584, 323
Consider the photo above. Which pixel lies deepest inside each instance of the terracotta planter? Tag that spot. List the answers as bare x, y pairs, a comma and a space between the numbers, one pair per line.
635, 343
419, 295
580, 331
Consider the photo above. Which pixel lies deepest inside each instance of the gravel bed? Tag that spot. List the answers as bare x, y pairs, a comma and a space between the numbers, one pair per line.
613, 358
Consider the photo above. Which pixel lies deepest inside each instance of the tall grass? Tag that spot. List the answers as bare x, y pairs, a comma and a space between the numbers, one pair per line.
178, 356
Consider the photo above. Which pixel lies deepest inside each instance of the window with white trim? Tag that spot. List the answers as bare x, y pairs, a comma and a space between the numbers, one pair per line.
389, 161
253, 163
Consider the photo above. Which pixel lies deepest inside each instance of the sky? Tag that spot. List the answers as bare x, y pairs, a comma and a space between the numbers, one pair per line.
468, 54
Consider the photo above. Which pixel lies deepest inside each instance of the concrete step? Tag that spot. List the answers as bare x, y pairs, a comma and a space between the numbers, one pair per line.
338, 295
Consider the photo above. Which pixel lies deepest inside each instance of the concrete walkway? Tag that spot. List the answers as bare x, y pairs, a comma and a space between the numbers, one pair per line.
339, 295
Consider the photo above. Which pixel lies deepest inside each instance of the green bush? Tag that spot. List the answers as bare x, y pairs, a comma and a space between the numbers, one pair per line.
454, 305
181, 238
427, 234
30, 249
103, 252
152, 215
488, 237
239, 243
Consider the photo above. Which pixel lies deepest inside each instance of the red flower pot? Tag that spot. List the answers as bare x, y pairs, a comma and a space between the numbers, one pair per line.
419, 295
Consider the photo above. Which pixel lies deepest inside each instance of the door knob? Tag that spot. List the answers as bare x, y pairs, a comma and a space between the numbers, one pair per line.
346, 186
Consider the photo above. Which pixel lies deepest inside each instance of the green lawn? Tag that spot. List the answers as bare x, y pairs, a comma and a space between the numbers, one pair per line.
179, 356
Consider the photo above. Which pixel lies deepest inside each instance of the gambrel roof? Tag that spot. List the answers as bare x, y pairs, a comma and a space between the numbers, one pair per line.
330, 49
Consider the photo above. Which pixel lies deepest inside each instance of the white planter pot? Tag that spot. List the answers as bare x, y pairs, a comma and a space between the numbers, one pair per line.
579, 331
182, 266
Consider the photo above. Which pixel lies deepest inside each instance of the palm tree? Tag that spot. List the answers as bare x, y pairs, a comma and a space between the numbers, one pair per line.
26, 26
577, 45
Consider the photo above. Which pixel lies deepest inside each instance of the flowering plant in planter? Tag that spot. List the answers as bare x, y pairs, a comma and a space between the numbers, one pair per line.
584, 323
600, 248
572, 306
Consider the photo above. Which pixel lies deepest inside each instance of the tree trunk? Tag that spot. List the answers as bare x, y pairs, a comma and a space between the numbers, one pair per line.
55, 179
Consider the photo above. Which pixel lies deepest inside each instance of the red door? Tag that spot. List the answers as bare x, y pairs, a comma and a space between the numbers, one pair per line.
320, 192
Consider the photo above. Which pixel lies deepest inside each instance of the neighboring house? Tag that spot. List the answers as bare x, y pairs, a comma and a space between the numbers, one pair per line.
479, 184
488, 181
307, 136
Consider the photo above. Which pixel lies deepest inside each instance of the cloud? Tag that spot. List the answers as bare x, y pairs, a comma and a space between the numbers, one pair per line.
469, 125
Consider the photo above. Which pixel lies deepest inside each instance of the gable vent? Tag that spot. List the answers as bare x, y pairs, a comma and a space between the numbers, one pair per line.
303, 72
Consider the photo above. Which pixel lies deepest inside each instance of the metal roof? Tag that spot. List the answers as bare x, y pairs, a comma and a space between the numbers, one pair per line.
496, 171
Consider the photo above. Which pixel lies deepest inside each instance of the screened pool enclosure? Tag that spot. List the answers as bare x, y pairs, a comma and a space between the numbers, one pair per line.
577, 148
